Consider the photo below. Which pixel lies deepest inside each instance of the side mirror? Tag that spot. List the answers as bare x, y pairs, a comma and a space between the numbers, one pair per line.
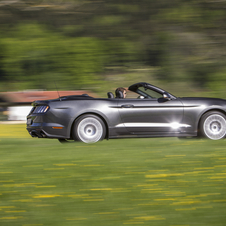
166, 96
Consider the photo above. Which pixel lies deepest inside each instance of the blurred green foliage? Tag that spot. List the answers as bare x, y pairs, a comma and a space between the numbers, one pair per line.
35, 58
79, 44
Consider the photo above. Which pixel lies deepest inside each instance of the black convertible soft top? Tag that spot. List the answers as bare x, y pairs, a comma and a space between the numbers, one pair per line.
76, 97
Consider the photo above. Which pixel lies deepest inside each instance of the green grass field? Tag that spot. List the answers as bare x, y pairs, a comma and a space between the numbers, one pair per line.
164, 181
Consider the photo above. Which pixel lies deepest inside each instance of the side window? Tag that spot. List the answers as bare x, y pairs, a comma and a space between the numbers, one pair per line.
148, 92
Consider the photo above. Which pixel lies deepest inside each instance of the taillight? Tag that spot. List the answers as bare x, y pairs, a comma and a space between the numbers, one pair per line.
41, 109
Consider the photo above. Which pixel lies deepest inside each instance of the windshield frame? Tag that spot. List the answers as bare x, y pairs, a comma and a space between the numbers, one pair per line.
135, 88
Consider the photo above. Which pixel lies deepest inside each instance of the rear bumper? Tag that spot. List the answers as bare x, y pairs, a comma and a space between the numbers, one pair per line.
42, 133
38, 133
46, 129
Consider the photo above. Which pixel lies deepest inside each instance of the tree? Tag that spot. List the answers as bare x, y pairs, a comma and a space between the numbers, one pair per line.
36, 57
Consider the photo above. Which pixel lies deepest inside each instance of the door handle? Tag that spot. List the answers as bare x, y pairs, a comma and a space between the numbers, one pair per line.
127, 106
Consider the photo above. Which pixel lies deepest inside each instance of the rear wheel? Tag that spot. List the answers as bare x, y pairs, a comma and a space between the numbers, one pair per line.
213, 125
89, 129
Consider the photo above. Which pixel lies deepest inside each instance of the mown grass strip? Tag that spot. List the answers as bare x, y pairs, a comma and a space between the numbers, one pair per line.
13, 131
116, 182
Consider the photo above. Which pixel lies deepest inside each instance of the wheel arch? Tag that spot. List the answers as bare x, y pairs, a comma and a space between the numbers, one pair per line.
213, 109
96, 114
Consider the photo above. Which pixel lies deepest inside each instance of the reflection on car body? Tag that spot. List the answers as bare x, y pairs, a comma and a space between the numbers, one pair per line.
152, 112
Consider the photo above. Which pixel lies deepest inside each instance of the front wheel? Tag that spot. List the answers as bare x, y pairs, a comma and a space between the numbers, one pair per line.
213, 125
89, 129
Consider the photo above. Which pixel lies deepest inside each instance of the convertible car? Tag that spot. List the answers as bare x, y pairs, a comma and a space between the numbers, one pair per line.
150, 112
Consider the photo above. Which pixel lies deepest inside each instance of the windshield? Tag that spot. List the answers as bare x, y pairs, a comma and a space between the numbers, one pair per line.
148, 93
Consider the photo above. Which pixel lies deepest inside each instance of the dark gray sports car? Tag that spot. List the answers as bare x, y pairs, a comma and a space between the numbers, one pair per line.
151, 112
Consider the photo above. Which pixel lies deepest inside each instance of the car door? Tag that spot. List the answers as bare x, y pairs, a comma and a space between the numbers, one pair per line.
144, 116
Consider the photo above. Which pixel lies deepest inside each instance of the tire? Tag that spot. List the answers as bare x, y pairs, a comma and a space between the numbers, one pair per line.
89, 129
213, 125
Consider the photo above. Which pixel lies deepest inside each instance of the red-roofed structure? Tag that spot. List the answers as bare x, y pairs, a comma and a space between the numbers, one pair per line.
27, 97
18, 104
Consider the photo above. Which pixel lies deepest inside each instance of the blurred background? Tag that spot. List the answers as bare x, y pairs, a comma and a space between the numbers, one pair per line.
99, 45
95, 46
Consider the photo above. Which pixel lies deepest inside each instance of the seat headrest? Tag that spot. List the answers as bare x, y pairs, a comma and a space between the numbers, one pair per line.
110, 95
119, 94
